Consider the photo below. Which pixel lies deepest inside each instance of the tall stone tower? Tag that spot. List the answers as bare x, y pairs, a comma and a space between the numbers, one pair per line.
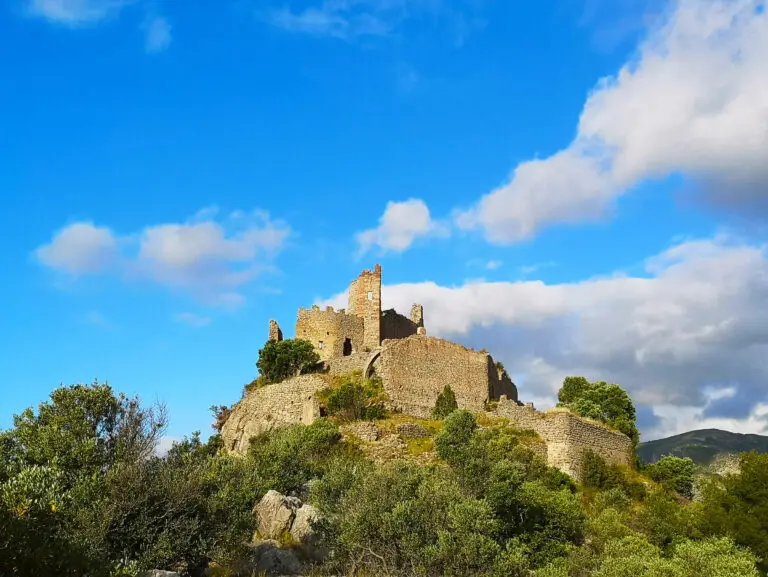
365, 302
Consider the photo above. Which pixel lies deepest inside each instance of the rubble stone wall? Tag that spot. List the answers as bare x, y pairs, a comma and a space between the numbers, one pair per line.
569, 436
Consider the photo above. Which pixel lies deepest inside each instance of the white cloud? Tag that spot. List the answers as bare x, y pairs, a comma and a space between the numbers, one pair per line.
79, 248
697, 323
158, 35
694, 102
209, 258
193, 319
400, 225
76, 12
493, 264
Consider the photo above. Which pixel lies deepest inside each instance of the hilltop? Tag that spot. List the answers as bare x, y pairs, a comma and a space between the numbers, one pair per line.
703, 446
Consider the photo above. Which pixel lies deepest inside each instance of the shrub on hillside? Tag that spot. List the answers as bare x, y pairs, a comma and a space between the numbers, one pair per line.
445, 403
356, 398
280, 360
673, 473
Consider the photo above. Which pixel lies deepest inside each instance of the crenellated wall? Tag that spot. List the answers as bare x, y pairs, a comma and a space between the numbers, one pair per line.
331, 328
290, 402
568, 436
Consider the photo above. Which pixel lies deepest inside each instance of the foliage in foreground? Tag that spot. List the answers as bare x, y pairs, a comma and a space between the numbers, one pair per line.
83, 494
353, 397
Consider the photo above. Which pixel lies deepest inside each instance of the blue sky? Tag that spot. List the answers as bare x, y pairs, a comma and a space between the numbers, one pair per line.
577, 185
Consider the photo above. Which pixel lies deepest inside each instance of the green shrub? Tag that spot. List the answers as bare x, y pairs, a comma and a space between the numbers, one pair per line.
280, 360
674, 474
287, 458
356, 398
445, 403
600, 401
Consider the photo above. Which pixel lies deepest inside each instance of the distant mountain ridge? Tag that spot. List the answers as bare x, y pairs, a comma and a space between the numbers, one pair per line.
703, 446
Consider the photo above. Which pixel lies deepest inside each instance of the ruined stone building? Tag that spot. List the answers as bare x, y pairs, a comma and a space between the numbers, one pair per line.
414, 369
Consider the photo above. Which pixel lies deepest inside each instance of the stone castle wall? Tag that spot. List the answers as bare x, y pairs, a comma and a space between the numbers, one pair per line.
396, 326
279, 405
568, 436
415, 371
365, 302
346, 365
331, 328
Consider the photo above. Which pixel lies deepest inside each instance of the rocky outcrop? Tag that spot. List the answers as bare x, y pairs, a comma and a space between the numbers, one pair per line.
278, 517
288, 403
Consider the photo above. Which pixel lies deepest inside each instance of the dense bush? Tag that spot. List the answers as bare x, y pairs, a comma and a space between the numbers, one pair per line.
600, 401
445, 403
355, 398
82, 493
738, 506
280, 360
673, 473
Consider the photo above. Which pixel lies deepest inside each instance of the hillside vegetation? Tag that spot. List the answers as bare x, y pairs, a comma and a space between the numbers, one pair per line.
84, 494
702, 446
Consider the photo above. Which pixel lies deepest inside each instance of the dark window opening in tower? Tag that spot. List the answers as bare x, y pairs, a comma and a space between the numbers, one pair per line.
347, 347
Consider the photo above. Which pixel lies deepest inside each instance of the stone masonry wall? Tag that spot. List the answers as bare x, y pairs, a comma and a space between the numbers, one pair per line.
416, 369
365, 302
330, 328
345, 365
287, 403
396, 326
568, 436
500, 383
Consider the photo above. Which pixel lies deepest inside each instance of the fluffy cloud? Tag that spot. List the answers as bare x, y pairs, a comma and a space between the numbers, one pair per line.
694, 102
209, 258
158, 35
400, 225
697, 322
76, 12
79, 248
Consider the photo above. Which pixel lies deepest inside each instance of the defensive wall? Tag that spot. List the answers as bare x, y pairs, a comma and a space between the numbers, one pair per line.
415, 370
333, 333
568, 436
290, 402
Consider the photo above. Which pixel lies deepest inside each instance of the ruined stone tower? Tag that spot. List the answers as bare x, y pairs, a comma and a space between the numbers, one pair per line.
365, 302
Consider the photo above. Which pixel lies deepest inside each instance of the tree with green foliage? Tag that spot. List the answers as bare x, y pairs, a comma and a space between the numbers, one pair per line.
445, 403
737, 505
356, 398
600, 401
280, 360
673, 473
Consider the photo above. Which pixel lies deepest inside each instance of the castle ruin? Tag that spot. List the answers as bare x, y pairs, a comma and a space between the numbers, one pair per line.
414, 369
413, 366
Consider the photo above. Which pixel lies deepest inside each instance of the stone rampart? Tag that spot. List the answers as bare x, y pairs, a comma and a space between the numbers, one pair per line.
415, 371
396, 326
568, 436
348, 364
279, 405
328, 330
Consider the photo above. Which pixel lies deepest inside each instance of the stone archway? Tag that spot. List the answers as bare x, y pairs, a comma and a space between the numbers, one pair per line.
368, 371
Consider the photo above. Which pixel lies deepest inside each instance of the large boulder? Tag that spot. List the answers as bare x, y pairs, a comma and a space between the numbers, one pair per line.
274, 515
365, 431
158, 573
